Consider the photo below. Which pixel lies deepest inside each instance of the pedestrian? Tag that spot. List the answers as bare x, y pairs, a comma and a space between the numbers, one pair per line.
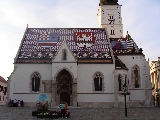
62, 109
22, 103
66, 113
65, 105
66, 109
15, 103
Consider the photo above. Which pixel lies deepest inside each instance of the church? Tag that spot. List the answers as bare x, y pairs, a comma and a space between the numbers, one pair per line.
85, 67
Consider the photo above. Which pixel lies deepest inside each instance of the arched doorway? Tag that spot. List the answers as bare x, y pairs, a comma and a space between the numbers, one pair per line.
64, 87
64, 96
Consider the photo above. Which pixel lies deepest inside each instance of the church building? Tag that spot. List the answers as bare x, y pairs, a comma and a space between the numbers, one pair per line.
85, 67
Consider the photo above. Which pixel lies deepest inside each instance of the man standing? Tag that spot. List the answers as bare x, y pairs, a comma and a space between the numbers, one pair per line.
62, 109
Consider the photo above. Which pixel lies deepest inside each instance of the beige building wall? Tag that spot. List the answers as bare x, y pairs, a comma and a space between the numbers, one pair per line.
155, 79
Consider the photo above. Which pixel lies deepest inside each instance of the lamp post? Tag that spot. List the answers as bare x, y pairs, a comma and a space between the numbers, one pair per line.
125, 93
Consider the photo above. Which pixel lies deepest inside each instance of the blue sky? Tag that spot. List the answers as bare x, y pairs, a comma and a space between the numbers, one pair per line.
139, 17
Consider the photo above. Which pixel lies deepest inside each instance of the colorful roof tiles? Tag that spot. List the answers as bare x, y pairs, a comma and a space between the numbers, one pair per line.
124, 46
41, 44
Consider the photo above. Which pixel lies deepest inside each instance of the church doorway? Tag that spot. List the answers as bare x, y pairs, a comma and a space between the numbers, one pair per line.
64, 82
65, 97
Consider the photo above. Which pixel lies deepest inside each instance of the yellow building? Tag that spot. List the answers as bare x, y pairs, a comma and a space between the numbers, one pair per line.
155, 72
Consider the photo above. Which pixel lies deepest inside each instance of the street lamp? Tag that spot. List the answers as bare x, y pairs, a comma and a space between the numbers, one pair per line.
125, 93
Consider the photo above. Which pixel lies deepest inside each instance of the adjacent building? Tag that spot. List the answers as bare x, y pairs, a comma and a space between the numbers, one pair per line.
155, 79
3, 91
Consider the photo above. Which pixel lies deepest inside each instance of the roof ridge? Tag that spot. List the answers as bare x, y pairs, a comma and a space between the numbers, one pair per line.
2, 79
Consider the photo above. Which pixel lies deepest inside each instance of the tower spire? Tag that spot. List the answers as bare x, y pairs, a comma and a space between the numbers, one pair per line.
109, 2
109, 16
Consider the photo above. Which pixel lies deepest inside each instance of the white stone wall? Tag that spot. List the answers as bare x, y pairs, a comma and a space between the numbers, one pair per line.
85, 83
20, 81
95, 98
118, 94
130, 61
137, 95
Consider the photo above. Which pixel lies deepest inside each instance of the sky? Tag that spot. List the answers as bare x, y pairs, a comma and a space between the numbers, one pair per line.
141, 18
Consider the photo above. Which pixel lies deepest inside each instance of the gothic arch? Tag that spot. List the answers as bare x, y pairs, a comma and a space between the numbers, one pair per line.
136, 83
98, 82
64, 87
35, 82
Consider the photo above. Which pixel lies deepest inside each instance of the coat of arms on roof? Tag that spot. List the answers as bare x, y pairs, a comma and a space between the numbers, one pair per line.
84, 39
47, 39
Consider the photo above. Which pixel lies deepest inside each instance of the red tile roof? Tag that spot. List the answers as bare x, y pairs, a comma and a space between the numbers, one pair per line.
2, 79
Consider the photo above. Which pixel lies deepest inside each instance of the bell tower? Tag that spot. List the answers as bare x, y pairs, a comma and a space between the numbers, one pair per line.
109, 16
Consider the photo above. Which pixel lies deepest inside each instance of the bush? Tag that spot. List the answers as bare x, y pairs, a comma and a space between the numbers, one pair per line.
42, 106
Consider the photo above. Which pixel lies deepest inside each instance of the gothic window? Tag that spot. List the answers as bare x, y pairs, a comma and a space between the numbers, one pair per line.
64, 55
98, 82
136, 83
35, 82
119, 82
135, 76
112, 31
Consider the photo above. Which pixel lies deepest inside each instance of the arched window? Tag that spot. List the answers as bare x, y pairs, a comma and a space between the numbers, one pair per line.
98, 82
112, 31
136, 76
35, 82
119, 82
136, 81
64, 54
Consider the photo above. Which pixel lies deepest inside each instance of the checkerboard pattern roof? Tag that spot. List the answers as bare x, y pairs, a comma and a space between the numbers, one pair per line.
41, 44
125, 46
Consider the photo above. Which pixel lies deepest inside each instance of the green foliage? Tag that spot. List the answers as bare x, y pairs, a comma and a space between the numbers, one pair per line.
42, 106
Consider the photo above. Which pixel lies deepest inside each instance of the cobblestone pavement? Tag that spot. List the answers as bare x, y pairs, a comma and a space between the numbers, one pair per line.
25, 113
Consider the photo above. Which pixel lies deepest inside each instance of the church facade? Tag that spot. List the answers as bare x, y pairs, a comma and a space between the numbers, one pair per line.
85, 67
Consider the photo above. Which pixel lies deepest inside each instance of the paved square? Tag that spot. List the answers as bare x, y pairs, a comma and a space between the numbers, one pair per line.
25, 113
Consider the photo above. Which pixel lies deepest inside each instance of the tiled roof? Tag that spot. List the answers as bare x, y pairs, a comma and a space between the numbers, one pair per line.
124, 46
119, 64
2, 79
39, 45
